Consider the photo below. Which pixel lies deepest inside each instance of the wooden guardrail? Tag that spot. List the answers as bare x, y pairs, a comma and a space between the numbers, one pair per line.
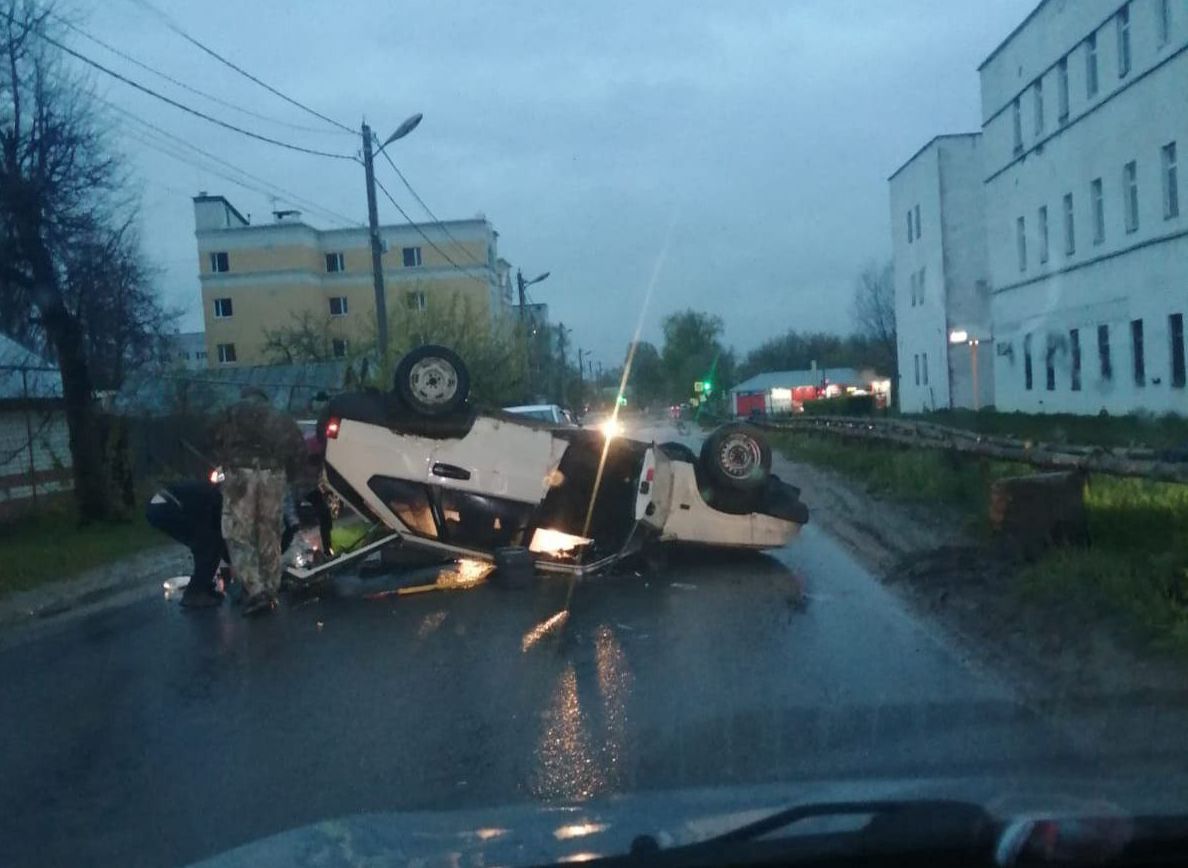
1142, 463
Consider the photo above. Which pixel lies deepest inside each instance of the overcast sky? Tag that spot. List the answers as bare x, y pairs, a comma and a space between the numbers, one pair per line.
761, 132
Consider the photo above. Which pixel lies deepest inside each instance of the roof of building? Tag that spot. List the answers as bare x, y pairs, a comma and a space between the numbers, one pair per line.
24, 374
792, 379
203, 197
993, 54
292, 388
928, 145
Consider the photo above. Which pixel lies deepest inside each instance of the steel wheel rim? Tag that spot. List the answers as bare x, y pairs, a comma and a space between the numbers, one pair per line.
739, 456
433, 380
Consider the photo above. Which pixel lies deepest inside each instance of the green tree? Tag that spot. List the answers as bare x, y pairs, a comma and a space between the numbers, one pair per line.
693, 351
647, 383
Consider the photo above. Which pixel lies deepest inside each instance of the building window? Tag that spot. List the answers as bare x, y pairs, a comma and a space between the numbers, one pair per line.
1130, 192
416, 300
220, 262
912, 284
1021, 242
1043, 233
338, 306
1062, 90
1039, 107
1136, 351
924, 368
1163, 21
338, 347
1098, 201
412, 257
911, 227
916, 364
1171, 184
917, 213
334, 263
1050, 363
1074, 345
1175, 329
1091, 66
222, 308
226, 354
1123, 26
1017, 123
921, 285
1027, 378
1070, 229
200, 356
1106, 365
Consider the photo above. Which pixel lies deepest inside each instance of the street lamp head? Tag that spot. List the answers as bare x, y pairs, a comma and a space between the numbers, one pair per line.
539, 278
958, 336
403, 130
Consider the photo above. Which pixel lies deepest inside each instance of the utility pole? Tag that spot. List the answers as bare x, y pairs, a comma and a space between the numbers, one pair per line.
521, 285
377, 262
562, 343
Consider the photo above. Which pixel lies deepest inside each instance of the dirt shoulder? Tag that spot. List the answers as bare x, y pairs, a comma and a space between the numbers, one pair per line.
1056, 652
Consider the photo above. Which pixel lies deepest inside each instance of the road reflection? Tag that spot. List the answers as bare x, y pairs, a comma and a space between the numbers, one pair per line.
582, 750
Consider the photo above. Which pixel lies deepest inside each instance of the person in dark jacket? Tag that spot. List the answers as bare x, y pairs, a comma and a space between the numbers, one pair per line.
190, 512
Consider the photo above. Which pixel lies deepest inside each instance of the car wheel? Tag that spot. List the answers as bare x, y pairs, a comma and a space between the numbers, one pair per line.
432, 380
736, 457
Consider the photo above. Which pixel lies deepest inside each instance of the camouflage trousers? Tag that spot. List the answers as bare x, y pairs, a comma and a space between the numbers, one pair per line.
252, 510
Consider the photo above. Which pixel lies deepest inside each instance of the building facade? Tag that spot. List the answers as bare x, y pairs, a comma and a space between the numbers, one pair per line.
1085, 121
185, 350
257, 278
942, 309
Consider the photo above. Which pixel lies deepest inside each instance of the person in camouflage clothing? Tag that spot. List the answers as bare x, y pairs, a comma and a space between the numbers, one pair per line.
260, 449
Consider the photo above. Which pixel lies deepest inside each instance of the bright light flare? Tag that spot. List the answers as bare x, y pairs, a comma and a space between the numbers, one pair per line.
555, 542
544, 628
578, 830
958, 336
612, 427
217, 475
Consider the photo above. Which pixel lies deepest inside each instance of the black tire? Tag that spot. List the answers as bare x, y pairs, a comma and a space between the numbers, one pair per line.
432, 381
736, 457
781, 500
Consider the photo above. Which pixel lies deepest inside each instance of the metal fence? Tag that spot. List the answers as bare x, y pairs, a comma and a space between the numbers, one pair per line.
35, 465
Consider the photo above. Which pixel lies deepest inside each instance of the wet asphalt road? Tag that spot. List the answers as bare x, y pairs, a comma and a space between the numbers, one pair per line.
144, 735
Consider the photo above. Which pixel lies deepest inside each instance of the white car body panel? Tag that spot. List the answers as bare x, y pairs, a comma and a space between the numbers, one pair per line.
504, 460
690, 519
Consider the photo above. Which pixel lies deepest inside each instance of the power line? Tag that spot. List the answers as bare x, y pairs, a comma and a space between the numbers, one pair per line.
428, 240
148, 90
428, 211
176, 29
265, 187
188, 87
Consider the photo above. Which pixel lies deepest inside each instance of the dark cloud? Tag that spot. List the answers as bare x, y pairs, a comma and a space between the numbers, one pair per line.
763, 131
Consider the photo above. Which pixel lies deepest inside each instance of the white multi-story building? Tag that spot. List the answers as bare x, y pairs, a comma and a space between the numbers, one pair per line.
1085, 120
942, 311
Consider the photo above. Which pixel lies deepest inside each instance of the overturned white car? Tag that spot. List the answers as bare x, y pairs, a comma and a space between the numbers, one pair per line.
440, 475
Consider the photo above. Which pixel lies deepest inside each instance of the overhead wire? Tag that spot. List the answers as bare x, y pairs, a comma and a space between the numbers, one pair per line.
179, 83
172, 25
428, 240
182, 106
429, 211
262, 185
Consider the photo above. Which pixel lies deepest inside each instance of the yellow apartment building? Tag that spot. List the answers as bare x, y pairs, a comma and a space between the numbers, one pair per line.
259, 277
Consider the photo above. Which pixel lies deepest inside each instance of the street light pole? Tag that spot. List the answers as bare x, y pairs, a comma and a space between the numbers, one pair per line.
377, 250
377, 262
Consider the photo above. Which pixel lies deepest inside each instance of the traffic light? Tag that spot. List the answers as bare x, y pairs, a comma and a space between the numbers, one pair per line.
707, 387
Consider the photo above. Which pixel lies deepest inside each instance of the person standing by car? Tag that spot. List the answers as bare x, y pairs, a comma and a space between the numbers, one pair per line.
260, 449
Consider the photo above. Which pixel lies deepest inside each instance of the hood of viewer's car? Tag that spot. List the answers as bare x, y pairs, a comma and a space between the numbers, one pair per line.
541, 833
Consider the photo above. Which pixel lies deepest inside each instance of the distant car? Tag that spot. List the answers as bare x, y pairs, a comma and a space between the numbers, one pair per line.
441, 476
550, 413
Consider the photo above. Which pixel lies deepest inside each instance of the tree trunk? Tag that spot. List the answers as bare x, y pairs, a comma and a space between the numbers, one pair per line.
92, 494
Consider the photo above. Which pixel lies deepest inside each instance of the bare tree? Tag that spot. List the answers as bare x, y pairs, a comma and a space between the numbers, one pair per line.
873, 311
59, 183
308, 338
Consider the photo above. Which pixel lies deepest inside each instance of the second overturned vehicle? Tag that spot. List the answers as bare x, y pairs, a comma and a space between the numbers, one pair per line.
440, 475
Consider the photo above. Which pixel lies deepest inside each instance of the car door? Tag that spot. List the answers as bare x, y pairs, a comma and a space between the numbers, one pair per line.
499, 458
